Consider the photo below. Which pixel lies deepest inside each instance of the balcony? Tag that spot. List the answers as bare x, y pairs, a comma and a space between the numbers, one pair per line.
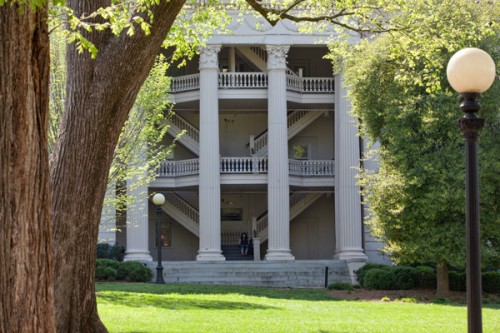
247, 165
256, 80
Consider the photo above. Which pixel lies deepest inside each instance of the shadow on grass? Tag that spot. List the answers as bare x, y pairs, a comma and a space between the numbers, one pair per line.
189, 289
168, 302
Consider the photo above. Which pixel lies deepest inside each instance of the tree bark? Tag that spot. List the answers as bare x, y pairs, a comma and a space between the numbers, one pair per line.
99, 96
443, 286
26, 278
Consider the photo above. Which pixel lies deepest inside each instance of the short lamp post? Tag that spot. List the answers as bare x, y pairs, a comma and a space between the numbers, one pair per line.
159, 200
471, 72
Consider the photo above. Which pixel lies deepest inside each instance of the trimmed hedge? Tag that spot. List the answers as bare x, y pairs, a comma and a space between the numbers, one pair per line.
383, 277
379, 279
491, 282
109, 270
360, 273
134, 271
426, 277
458, 281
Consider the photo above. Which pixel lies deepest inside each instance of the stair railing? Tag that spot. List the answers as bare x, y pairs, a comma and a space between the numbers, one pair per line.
262, 54
230, 237
183, 206
184, 125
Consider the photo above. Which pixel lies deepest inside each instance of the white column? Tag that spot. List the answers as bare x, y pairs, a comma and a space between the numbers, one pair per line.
232, 59
348, 222
210, 227
278, 201
137, 223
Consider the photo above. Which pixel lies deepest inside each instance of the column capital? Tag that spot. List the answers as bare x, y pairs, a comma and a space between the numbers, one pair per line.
208, 57
277, 56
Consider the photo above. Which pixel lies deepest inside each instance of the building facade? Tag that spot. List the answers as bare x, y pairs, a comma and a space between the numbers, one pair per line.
269, 148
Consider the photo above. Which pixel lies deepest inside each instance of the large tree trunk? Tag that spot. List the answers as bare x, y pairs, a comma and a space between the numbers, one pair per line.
26, 279
99, 96
443, 285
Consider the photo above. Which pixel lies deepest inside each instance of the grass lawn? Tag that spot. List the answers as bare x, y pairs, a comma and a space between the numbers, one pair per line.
139, 307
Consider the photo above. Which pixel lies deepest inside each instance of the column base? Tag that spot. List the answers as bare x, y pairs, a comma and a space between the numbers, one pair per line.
137, 255
350, 253
279, 254
210, 255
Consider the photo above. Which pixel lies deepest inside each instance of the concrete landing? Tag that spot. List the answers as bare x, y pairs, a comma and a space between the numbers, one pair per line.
297, 273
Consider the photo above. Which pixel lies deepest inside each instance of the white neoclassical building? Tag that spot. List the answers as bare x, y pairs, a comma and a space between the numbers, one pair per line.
269, 149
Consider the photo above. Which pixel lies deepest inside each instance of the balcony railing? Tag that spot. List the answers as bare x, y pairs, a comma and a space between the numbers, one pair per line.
311, 168
247, 165
242, 80
185, 83
256, 80
170, 169
243, 165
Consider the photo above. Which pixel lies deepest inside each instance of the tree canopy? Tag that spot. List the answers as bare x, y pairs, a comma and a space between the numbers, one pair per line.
399, 92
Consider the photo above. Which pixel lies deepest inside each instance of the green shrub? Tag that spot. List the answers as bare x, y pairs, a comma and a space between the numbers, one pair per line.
408, 300
403, 278
106, 251
426, 277
379, 279
361, 273
105, 273
491, 282
341, 286
134, 271
457, 281
107, 263
440, 300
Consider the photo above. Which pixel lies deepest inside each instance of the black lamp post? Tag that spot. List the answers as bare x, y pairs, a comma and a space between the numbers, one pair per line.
471, 72
159, 200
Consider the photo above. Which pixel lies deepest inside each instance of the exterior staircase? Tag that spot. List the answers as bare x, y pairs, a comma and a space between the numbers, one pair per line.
189, 134
298, 203
188, 216
181, 211
233, 252
297, 121
258, 56
294, 273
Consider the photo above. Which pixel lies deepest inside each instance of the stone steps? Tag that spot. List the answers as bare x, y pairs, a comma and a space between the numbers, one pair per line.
299, 273
233, 252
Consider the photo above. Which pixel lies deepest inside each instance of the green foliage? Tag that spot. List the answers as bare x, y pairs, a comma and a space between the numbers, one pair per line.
408, 300
404, 277
106, 269
426, 277
106, 251
361, 273
341, 286
491, 282
399, 91
105, 273
382, 277
112, 263
379, 279
110, 269
458, 281
134, 271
